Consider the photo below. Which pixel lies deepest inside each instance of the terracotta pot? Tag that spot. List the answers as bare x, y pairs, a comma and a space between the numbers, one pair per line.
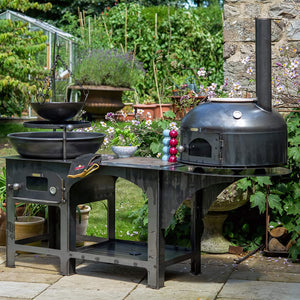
154, 109
81, 226
19, 212
26, 227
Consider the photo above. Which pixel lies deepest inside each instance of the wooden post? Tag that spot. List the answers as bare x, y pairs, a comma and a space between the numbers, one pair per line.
89, 22
155, 29
159, 100
125, 46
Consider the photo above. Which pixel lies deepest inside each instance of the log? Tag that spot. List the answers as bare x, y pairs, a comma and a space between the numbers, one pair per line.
278, 232
275, 245
289, 244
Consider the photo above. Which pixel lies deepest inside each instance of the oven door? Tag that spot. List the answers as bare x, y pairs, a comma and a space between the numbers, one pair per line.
202, 149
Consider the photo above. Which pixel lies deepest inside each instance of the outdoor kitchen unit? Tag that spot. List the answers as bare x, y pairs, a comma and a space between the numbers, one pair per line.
244, 133
238, 133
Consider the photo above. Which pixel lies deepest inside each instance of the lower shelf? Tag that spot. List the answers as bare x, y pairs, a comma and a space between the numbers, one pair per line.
125, 252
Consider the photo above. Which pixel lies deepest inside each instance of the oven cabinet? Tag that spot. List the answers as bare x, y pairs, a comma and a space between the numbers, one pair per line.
27, 181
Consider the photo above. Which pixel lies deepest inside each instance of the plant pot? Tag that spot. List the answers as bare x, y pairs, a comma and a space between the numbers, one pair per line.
82, 222
19, 212
101, 99
29, 226
156, 110
180, 109
124, 151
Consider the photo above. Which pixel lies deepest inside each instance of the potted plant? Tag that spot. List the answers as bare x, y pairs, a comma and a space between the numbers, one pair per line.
122, 137
31, 222
82, 219
20, 208
149, 109
106, 74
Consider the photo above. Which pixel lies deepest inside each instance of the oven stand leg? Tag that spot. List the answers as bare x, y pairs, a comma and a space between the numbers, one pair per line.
10, 233
196, 232
53, 227
67, 218
156, 241
111, 217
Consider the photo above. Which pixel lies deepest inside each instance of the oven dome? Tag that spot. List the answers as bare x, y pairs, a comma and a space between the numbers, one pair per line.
230, 132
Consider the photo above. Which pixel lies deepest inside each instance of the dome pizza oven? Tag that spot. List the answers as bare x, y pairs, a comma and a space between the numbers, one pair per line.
238, 133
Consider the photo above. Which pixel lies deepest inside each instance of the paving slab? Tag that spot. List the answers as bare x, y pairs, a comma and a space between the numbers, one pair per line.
259, 290
21, 290
89, 287
177, 291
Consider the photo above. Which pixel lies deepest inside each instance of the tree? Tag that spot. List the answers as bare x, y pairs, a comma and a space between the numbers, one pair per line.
20, 75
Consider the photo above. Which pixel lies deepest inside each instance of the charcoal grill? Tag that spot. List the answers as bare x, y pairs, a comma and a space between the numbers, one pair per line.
167, 185
238, 133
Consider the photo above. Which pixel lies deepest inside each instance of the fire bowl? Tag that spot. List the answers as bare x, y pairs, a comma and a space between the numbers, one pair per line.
49, 145
57, 111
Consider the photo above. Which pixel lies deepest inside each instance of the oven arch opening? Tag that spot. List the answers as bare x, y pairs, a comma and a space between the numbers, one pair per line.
200, 147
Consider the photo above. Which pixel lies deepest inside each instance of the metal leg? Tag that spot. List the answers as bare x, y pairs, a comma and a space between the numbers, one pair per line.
111, 214
53, 227
10, 233
196, 232
156, 241
67, 237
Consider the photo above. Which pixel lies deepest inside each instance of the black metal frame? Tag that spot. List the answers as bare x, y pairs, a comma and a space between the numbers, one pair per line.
166, 186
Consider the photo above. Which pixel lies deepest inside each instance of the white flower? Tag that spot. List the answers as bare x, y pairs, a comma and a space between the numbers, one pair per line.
148, 122
236, 86
148, 115
250, 70
106, 141
280, 88
103, 124
158, 155
245, 60
139, 111
213, 86
111, 130
201, 72
231, 93
135, 122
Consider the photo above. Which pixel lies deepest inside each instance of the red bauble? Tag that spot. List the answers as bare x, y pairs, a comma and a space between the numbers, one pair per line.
173, 151
172, 158
173, 142
173, 134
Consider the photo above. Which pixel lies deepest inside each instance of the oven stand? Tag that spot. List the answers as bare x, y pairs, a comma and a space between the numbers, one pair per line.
165, 188
165, 191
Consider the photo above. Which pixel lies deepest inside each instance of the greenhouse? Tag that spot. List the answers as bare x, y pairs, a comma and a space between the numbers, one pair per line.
65, 41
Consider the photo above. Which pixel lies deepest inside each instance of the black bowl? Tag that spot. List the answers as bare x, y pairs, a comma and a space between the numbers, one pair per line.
57, 111
49, 145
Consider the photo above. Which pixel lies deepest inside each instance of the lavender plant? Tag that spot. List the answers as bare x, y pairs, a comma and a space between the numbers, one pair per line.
109, 67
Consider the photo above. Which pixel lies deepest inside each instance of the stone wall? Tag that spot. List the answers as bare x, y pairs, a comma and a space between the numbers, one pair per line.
239, 33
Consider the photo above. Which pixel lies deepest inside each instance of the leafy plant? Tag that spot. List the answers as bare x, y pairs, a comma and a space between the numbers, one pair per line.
283, 193
2, 187
108, 67
20, 74
177, 233
147, 134
169, 48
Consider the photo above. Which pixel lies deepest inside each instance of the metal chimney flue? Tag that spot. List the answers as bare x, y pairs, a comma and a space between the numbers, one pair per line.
263, 64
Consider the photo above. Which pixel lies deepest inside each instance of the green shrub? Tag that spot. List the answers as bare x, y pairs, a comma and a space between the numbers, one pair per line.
173, 48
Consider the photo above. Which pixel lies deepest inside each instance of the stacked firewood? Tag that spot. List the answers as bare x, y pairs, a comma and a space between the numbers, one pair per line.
279, 240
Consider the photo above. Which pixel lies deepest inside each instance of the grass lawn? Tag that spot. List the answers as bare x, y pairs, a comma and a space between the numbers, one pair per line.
129, 197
